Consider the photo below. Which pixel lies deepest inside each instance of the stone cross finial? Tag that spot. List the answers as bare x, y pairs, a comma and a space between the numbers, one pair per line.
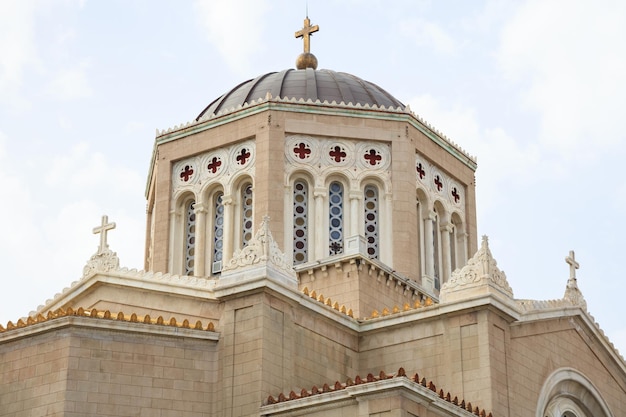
306, 32
104, 227
573, 265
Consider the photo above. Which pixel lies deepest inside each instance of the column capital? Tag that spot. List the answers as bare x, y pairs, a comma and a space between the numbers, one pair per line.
355, 194
199, 208
447, 228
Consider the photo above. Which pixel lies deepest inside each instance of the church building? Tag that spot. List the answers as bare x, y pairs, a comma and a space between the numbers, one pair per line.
311, 250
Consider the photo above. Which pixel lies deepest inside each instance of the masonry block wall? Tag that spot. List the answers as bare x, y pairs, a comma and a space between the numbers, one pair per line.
75, 371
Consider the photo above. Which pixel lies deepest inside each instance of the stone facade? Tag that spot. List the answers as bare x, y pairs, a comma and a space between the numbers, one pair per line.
400, 313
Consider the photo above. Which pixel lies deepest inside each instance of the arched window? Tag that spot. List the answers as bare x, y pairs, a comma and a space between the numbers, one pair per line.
218, 233
246, 215
335, 218
568, 393
190, 237
300, 222
371, 220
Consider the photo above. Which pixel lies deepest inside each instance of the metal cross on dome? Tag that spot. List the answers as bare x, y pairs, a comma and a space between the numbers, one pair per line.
306, 32
104, 227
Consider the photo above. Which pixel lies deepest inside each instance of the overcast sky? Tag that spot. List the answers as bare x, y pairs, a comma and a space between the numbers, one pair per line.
536, 90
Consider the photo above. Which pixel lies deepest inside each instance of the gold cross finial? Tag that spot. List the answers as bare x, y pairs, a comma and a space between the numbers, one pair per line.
306, 32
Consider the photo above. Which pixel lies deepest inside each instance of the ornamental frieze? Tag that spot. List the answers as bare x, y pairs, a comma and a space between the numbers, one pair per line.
216, 166
438, 185
322, 156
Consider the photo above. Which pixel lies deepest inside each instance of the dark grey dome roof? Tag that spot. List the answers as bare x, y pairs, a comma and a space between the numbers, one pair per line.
307, 84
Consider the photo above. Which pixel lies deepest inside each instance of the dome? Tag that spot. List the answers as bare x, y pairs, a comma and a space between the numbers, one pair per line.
325, 85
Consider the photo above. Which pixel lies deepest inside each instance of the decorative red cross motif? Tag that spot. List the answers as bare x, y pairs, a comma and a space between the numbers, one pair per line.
302, 151
337, 153
438, 183
420, 170
187, 173
372, 157
214, 165
456, 195
243, 156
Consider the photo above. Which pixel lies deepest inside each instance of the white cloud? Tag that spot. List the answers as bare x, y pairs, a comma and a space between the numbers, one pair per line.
429, 34
231, 27
70, 84
503, 160
81, 168
571, 60
47, 223
17, 45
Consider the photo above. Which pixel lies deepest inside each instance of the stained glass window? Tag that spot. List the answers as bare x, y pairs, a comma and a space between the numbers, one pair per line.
218, 233
300, 222
371, 220
190, 237
335, 223
246, 215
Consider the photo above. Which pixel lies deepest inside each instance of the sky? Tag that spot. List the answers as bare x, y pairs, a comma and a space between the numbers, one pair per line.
536, 90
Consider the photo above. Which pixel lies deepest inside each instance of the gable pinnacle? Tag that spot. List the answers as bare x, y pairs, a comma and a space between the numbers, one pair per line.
306, 59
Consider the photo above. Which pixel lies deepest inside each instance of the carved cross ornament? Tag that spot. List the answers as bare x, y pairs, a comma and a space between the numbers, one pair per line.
104, 227
573, 265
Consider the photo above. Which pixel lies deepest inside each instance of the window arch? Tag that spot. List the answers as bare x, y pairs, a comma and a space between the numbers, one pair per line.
300, 222
371, 218
568, 393
335, 218
190, 237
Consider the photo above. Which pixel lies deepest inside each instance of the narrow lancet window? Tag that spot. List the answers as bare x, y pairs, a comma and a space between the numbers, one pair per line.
246, 215
218, 234
371, 220
300, 222
335, 209
190, 237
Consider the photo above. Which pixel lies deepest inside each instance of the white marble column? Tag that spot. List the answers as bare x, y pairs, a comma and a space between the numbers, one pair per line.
200, 249
175, 244
446, 266
385, 230
429, 250
355, 200
320, 249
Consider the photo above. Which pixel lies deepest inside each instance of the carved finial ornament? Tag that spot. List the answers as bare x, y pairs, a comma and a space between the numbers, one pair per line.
572, 292
104, 259
306, 59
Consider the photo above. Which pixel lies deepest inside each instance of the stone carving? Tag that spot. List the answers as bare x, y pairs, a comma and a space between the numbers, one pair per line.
481, 269
102, 261
574, 295
262, 248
